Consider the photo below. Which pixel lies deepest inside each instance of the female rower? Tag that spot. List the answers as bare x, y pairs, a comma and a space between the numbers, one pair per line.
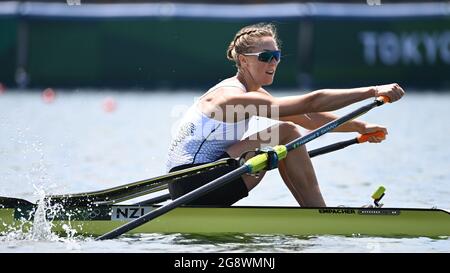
214, 126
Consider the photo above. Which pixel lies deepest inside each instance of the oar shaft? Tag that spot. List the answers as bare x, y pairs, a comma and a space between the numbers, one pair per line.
332, 125
332, 147
342, 144
176, 203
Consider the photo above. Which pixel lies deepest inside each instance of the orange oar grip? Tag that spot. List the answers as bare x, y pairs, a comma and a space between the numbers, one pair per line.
365, 137
383, 98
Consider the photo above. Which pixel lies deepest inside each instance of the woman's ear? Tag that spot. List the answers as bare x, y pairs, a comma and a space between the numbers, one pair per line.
242, 59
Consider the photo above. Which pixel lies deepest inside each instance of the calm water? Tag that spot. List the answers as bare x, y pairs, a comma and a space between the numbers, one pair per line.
73, 145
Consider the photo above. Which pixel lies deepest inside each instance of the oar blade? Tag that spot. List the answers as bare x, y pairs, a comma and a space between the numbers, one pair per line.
9, 202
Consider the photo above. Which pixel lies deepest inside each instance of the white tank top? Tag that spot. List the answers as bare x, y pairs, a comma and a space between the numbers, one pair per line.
200, 139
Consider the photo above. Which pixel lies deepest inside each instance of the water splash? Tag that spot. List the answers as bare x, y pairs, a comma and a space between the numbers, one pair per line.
39, 226
42, 226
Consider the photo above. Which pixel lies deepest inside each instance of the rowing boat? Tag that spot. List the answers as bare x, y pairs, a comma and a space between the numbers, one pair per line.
347, 221
97, 213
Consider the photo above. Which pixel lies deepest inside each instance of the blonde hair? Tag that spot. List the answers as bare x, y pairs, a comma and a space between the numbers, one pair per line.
246, 39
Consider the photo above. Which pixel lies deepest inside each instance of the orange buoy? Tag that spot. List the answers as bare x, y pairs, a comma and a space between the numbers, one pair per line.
109, 104
2, 88
48, 95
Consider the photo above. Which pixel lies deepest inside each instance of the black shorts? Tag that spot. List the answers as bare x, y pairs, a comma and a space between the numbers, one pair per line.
224, 196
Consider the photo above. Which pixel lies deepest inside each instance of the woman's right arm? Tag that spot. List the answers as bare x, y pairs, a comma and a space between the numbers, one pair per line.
323, 100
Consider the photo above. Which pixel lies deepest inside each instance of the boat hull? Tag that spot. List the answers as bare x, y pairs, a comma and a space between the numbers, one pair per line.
386, 222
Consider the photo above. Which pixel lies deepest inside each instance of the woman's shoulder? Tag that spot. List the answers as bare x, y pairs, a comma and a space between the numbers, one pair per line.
221, 94
227, 86
231, 83
264, 91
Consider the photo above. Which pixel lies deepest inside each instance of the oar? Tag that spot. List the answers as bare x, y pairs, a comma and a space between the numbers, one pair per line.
253, 165
319, 151
342, 144
135, 189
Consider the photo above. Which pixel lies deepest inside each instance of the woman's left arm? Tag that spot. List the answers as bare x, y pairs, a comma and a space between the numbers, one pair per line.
313, 121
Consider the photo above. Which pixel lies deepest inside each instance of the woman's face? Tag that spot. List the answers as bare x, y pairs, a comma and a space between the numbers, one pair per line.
262, 72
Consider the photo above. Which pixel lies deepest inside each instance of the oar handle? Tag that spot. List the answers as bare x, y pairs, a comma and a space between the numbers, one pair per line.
363, 138
384, 99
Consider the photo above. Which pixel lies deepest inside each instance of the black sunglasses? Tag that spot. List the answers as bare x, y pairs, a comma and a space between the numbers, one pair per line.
266, 56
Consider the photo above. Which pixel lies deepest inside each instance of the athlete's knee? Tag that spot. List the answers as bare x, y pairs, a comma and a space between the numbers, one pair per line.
289, 130
288, 126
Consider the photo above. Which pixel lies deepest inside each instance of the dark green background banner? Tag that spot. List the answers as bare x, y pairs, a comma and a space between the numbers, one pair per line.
149, 53
8, 46
190, 52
